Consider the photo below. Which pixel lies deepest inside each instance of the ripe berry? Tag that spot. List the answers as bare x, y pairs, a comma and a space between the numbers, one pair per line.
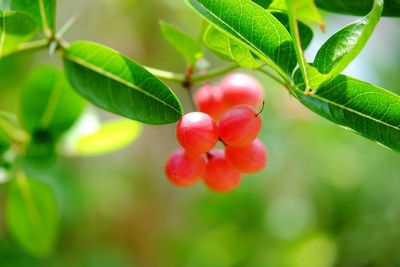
240, 88
220, 176
197, 132
184, 169
250, 159
209, 99
239, 126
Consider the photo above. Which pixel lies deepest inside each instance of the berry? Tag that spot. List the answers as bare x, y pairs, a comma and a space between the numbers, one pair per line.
250, 159
239, 126
209, 99
197, 132
184, 169
220, 176
240, 88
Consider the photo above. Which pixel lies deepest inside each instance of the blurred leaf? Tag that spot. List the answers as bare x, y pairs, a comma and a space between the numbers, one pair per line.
370, 111
359, 7
15, 28
42, 11
228, 48
246, 22
263, 3
344, 46
32, 216
4, 142
316, 251
119, 85
40, 152
305, 10
111, 136
48, 103
5, 5
189, 48
306, 34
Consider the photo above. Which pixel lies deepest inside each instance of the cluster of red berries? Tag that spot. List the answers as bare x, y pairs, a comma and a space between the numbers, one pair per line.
233, 105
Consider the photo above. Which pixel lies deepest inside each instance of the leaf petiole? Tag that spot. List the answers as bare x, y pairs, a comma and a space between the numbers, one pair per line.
179, 78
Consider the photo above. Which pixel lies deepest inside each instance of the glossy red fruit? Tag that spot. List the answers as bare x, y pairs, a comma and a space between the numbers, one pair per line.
220, 176
239, 126
197, 132
240, 88
250, 159
209, 99
184, 169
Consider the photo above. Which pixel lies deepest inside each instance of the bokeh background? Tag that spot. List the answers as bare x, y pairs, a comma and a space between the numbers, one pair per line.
327, 197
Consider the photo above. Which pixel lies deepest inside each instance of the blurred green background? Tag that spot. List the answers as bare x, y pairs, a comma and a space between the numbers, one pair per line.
327, 197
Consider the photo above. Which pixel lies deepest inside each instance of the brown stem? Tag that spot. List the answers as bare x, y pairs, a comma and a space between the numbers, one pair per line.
187, 84
262, 109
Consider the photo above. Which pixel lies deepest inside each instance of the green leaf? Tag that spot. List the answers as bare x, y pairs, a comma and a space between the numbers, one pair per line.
263, 3
306, 34
228, 48
306, 10
15, 28
359, 7
340, 49
370, 111
110, 137
40, 152
4, 142
300, 9
252, 26
32, 216
119, 85
189, 48
48, 103
42, 11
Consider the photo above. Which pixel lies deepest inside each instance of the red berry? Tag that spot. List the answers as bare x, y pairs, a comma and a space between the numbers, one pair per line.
239, 126
184, 169
209, 99
197, 132
220, 176
240, 88
250, 159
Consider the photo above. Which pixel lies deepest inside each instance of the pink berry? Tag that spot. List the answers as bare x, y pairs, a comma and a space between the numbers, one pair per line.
184, 169
209, 99
240, 88
220, 176
239, 126
250, 159
197, 132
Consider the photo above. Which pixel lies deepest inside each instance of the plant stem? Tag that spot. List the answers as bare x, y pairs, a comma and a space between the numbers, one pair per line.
166, 75
67, 26
273, 76
294, 31
179, 78
31, 46
15, 134
213, 73
188, 84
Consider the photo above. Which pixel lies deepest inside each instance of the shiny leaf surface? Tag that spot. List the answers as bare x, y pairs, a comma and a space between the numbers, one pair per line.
117, 84
15, 28
369, 110
228, 48
254, 29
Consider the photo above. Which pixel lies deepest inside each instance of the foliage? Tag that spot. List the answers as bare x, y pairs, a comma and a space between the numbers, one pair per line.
264, 36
